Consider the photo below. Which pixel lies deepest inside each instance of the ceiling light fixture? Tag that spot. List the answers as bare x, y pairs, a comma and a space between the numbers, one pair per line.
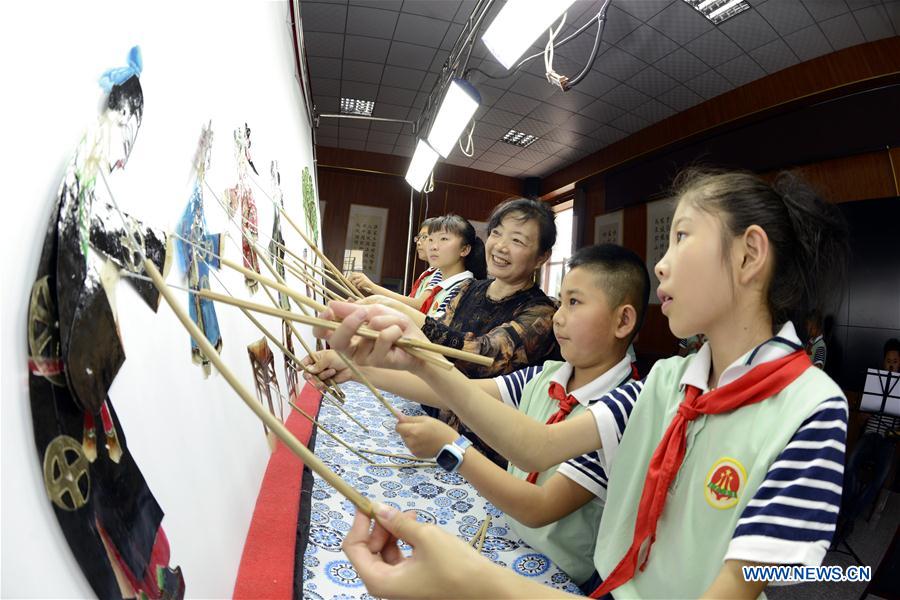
421, 165
352, 106
518, 24
718, 11
459, 106
518, 138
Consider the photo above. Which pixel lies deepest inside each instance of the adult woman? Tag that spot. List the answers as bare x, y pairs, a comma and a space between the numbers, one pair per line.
506, 316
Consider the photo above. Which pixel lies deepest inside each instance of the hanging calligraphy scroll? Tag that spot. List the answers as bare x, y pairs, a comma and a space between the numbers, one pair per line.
659, 221
365, 232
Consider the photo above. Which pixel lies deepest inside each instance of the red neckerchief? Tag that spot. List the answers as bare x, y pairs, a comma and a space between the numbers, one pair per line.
761, 382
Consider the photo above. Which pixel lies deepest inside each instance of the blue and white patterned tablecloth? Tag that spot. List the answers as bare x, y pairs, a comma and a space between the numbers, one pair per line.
437, 497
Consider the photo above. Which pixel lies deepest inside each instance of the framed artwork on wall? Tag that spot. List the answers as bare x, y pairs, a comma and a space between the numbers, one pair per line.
659, 221
608, 228
365, 231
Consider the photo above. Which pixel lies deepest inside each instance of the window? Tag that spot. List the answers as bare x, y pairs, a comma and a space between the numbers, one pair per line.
555, 268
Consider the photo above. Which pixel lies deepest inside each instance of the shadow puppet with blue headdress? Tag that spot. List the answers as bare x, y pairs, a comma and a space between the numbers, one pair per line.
107, 513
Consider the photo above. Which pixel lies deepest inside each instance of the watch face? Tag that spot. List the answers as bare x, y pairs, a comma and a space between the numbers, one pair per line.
446, 460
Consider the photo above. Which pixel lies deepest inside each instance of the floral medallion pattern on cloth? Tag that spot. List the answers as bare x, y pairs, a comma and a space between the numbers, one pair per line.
437, 497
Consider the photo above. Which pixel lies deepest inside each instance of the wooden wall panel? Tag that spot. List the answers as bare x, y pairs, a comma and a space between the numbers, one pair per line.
348, 177
835, 73
850, 178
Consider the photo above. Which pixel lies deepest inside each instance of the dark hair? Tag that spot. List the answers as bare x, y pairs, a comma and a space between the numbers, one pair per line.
892, 345
809, 237
425, 223
474, 261
526, 209
128, 92
621, 274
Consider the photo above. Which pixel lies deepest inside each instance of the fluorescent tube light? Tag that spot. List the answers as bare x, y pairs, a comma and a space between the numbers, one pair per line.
459, 105
519, 23
421, 166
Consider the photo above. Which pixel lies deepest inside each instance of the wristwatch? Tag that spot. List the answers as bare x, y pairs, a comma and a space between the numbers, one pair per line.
451, 455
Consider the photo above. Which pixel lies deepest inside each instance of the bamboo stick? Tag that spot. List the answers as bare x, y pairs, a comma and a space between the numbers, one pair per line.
276, 426
333, 436
416, 465
325, 274
393, 455
405, 343
337, 272
365, 381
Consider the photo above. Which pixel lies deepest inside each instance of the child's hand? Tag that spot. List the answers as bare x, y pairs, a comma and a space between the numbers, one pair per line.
381, 352
327, 365
361, 281
441, 564
425, 436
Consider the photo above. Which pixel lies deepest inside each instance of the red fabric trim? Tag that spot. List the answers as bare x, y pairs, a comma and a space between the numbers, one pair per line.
267, 563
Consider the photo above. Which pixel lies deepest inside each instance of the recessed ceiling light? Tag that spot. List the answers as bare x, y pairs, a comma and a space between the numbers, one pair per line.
519, 138
352, 106
718, 11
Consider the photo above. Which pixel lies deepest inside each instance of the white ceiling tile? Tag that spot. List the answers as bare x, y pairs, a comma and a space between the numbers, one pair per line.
842, 31
713, 48
439, 9
451, 36
352, 133
824, 9
390, 111
857, 4
366, 72
535, 126
327, 104
326, 87
504, 149
709, 85
602, 111
319, 43
681, 23
359, 90
775, 56
386, 127
606, 134
318, 16
385, 4
411, 56
398, 96
741, 70
653, 111
630, 122
320, 66
402, 77
573, 99
874, 22
595, 84
501, 118
644, 9
516, 103
465, 9
548, 113
681, 98
372, 22
647, 44
382, 137
681, 65
532, 86
786, 17
808, 43
618, 24
748, 30
580, 124
420, 30
652, 82
893, 11
626, 97
357, 47
619, 64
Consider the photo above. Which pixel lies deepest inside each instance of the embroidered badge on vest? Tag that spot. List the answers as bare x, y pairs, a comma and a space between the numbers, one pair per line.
724, 483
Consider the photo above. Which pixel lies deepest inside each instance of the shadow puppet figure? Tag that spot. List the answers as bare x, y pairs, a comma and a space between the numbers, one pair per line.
107, 513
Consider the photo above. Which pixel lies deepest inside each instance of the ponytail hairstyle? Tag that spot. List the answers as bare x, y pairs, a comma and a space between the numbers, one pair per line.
475, 260
809, 238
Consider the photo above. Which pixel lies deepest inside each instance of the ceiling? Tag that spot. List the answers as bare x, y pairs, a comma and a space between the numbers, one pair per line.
658, 57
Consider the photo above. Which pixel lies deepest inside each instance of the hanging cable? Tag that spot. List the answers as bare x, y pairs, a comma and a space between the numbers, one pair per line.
553, 77
469, 148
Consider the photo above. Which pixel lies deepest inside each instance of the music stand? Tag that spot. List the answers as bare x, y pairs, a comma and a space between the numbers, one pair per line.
881, 393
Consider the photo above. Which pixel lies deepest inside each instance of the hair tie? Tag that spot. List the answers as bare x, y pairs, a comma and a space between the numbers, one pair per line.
119, 75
